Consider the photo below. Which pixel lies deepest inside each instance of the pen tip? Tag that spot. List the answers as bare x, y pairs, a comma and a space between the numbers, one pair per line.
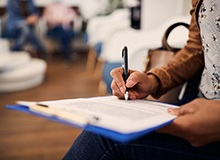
126, 95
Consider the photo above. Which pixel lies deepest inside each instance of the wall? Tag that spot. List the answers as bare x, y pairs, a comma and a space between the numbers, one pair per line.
156, 11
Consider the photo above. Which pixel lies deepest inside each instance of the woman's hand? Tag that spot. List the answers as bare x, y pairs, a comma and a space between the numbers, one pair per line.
198, 122
140, 85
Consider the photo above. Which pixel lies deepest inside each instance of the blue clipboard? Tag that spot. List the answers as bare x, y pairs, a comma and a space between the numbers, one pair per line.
120, 137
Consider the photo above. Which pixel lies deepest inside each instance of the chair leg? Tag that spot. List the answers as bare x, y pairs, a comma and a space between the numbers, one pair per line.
91, 61
97, 74
102, 90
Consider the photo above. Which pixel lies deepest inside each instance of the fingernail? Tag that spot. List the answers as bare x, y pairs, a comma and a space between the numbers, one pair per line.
122, 89
170, 110
129, 83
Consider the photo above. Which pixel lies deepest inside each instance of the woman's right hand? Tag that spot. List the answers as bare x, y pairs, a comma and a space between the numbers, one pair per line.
139, 84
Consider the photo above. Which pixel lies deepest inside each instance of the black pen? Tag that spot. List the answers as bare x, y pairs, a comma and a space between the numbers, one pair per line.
125, 67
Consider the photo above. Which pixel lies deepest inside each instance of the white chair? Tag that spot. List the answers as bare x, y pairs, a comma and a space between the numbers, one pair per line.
10, 61
137, 40
155, 20
18, 71
100, 28
4, 45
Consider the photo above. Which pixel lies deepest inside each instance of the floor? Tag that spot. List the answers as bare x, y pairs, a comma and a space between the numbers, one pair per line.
26, 137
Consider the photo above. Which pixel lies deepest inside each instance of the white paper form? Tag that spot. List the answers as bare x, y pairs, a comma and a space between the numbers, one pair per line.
114, 114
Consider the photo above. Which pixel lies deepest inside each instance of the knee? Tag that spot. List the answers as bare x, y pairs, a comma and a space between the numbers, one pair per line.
24, 29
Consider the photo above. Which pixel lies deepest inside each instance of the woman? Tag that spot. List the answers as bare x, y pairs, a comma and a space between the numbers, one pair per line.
195, 133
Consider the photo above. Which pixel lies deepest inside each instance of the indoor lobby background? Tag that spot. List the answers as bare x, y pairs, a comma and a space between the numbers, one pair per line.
101, 29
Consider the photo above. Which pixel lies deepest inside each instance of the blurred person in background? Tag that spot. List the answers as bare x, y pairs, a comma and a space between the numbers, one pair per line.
60, 21
22, 17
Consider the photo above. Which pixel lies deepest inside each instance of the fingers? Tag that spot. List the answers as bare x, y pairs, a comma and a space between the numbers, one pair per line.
116, 90
119, 87
188, 108
118, 81
181, 111
133, 79
118, 84
174, 111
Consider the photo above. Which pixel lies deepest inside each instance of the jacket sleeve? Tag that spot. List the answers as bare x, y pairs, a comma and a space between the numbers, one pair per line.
186, 62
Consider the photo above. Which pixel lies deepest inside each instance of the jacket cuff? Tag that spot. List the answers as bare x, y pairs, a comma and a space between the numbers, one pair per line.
163, 80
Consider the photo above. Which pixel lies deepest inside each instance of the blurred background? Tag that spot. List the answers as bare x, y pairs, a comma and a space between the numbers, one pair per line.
61, 49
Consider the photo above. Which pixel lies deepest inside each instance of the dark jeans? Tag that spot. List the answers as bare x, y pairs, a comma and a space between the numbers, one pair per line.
64, 37
154, 146
22, 34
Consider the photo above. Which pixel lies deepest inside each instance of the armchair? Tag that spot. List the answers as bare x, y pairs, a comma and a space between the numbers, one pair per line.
99, 29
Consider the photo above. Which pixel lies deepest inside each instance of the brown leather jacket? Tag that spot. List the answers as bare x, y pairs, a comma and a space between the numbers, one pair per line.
186, 63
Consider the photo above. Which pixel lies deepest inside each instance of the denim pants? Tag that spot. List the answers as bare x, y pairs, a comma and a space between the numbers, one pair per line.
22, 33
154, 146
64, 37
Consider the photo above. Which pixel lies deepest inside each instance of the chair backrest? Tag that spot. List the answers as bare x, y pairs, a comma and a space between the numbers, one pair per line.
5, 46
100, 24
